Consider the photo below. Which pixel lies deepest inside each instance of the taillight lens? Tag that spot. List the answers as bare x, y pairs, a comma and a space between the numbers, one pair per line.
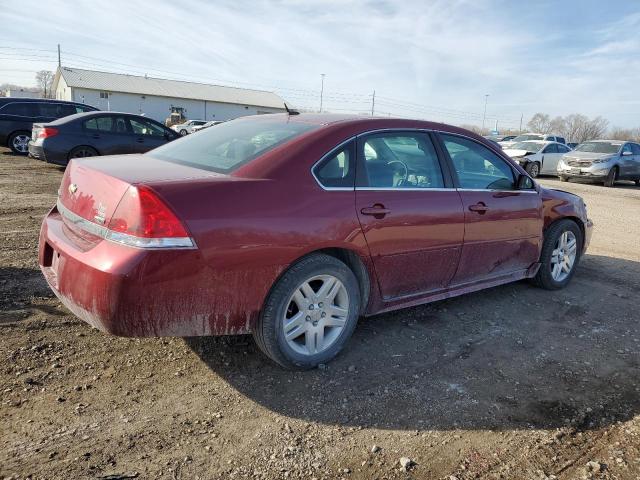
47, 132
142, 219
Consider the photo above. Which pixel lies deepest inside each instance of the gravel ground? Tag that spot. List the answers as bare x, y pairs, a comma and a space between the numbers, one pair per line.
512, 382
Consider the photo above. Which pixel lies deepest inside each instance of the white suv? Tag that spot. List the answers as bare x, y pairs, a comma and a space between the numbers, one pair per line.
187, 127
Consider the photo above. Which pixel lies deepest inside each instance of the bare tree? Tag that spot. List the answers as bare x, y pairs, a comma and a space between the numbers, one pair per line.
593, 129
44, 80
540, 123
617, 133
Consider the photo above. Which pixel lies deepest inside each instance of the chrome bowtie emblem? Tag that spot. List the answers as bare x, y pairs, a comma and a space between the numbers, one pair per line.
72, 188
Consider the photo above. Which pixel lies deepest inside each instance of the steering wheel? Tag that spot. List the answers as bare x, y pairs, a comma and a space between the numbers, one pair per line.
406, 170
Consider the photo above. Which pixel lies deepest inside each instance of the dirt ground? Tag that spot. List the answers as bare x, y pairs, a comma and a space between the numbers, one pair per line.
512, 382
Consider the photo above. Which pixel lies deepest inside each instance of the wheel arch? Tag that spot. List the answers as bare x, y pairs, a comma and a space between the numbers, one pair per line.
11, 134
574, 219
83, 145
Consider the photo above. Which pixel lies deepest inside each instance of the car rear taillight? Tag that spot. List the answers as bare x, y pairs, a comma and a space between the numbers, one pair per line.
47, 132
141, 219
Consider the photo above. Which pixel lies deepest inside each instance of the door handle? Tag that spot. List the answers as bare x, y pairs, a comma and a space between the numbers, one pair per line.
479, 207
377, 211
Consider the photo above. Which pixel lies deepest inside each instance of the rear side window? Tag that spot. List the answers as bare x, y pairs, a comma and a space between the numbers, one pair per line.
476, 166
552, 148
232, 144
337, 169
560, 140
20, 109
101, 124
56, 110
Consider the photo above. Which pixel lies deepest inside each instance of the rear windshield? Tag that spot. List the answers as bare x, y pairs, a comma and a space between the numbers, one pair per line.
231, 144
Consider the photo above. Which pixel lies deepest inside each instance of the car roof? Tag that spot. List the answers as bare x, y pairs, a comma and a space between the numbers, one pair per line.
97, 113
5, 100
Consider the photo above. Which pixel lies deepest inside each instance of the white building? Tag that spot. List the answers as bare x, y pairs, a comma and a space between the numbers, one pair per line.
23, 93
155, 97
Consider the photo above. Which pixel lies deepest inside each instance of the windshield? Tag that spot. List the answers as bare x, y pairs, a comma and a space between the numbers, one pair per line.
231, 144
598, 147
528, 146
524, 138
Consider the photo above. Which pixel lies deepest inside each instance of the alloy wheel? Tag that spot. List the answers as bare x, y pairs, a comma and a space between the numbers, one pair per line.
83, 152
564, 255
21, 143
316, 315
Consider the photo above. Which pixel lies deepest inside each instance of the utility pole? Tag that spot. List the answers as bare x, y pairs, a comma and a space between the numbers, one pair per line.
373, 102
521, 116
321, 90
484, 116
59, 61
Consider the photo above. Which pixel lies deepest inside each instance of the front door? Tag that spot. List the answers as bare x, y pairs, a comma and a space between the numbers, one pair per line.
503, 225
550, 157
411, 216
146, 135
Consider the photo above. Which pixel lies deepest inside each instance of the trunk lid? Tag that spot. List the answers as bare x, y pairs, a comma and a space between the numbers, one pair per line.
92, 187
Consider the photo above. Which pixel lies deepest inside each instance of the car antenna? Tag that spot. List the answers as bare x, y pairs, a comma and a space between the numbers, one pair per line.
290, 111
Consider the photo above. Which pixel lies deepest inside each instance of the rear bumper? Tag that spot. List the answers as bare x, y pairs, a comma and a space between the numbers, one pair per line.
134, 292
36, 151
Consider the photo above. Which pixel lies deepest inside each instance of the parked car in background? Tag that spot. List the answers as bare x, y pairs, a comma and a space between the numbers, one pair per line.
537, 157
602, 161
187, 127
197, 128
96, 133
190, 239
500, 138
17, 116
572, 145
532, 136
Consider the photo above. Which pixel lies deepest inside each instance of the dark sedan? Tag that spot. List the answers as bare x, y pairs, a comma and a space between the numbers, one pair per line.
96, 133
292, 227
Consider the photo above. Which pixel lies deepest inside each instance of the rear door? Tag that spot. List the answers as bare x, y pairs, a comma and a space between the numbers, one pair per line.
503, 226
410, 214
635, 148
109, 134
146, 134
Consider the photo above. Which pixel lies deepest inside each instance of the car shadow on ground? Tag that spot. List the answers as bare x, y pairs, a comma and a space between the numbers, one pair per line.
509, 357
22, 291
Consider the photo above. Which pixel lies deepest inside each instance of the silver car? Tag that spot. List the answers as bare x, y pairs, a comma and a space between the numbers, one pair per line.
603, 161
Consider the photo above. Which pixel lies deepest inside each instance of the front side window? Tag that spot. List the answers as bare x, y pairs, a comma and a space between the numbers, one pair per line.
143, 127
337, 170
478, 167
635, 148
400, 160
232, 144
563, 149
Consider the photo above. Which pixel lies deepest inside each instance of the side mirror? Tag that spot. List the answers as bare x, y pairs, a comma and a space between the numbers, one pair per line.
626, 153
524, 183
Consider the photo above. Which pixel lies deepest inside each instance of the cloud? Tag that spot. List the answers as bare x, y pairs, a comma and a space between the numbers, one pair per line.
445, 54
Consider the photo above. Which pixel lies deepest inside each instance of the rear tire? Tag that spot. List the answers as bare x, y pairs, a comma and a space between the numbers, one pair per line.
611, 177
183, 132
82, 152
638, 183
19, 142
553, 252
296, 328
533, 169
563, 178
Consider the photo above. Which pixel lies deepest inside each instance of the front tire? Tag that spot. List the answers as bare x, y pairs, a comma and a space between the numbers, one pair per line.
533, 169
183, 132
611, 177
19, 143
563, 178
560, 255
310, 313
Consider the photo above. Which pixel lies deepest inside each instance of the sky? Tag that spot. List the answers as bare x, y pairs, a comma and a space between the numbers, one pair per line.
424, 59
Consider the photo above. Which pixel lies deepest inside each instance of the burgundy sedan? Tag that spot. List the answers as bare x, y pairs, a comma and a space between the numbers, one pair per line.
291, 227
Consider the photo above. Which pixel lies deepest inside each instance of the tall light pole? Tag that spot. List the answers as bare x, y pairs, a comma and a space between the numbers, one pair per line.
321, 90
484, 115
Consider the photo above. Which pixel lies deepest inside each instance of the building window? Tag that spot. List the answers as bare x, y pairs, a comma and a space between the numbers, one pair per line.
104, 94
